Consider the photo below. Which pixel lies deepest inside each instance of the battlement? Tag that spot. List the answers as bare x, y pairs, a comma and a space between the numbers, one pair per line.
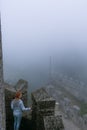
43, 111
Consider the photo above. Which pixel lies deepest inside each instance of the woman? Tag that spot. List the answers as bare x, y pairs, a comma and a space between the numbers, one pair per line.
18, 107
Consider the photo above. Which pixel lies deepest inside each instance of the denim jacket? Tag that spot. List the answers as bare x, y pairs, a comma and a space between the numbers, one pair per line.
17, 106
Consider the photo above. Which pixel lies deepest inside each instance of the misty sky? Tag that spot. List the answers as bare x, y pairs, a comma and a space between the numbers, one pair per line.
34, 30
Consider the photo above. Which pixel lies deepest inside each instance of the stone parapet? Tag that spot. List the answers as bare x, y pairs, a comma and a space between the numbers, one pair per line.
43, 111
53, 123
42, 103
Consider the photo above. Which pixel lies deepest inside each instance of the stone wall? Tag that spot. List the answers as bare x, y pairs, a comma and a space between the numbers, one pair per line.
2, 103
43, 111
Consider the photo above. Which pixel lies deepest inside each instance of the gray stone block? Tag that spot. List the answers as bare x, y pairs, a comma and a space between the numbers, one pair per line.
53, 123
43, 111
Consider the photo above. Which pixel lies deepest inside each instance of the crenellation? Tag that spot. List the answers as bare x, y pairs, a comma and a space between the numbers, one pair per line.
43, 111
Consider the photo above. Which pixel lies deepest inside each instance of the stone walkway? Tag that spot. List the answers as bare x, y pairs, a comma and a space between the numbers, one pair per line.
68, 124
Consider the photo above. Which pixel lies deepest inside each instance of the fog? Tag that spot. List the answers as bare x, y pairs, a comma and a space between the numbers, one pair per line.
33, 31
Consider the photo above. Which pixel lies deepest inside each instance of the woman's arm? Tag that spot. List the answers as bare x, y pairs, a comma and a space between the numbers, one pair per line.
23, 107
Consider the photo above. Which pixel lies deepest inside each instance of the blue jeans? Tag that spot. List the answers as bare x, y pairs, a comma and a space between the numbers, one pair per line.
17, 121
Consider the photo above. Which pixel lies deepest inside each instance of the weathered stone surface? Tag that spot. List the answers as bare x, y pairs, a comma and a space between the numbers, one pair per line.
42, 103
53, 123
43, 100
21, 85
2, 100
43, 111
40, 95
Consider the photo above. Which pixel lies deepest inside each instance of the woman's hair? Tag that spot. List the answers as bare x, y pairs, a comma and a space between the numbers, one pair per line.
17, 95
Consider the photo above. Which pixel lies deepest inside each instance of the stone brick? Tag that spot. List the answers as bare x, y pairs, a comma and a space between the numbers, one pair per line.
53, 123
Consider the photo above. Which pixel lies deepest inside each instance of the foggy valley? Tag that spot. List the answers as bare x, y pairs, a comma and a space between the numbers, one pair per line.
31, 33
45, 43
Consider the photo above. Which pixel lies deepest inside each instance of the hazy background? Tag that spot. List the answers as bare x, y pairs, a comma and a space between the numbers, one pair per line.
34, 30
